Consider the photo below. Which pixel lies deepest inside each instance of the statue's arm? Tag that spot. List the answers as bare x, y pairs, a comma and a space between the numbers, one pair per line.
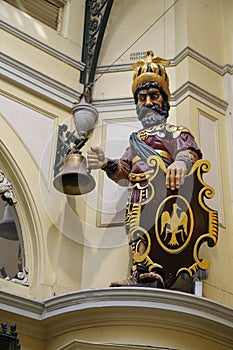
186, 154
116, 170
119, 172
176, 172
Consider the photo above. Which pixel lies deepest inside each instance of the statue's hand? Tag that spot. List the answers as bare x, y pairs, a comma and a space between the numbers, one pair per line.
96, 158
175, 175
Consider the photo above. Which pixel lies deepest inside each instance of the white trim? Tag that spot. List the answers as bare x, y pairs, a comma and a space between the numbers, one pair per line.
189, 52
206, 318
38, 82
48, 49
189, 89
228, 91
55, 90
186, 52
78, 344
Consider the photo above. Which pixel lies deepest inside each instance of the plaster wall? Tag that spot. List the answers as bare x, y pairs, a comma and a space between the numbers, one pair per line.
201, 26
75, 251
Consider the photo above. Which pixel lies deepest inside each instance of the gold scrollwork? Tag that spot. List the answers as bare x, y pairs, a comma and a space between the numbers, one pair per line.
203, 166
162, 130
144, 258
156, 162
176, 239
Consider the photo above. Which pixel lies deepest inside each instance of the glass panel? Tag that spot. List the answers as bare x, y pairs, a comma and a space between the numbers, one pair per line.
12, 262
45, 11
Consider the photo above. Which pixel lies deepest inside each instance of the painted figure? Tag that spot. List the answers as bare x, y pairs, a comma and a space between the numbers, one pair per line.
177, 149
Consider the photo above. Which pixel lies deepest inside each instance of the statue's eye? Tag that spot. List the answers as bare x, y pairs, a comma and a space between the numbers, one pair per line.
154, 96
142, 98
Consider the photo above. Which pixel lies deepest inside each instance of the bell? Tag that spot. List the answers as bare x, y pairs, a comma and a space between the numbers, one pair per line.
74, 179
8, 228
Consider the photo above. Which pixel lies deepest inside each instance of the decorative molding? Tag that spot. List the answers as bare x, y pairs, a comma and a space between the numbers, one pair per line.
119, 306
28, 215
77, 344
189, 52
40, 45
189, 89
60, 93
115, 104
38, 82
186, 52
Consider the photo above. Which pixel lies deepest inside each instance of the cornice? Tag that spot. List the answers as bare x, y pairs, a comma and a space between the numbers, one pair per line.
189, 89
186, 90
86, 345
21, 305
189, 52
37, 82
143, 297
40, 45
186, 52
124, 306
66, 96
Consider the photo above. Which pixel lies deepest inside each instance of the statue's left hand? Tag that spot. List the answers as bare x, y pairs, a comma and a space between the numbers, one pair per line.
175, 175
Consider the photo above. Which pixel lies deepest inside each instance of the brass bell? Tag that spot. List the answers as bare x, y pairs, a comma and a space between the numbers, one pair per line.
8, 228
74, 179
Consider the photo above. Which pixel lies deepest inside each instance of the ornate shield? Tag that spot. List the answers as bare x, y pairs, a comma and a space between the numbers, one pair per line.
173, 224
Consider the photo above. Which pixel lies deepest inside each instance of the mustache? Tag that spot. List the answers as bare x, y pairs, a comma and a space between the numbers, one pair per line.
143, 111
150, 116
152, 120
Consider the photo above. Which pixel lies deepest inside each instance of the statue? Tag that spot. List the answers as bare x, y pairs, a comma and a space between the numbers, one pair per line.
159, 219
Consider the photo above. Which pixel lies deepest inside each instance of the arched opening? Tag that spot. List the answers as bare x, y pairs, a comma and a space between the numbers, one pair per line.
28, 244
12, 257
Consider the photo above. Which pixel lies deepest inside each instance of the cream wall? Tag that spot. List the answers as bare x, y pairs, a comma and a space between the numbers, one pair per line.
70, 243
185, 29
199, 39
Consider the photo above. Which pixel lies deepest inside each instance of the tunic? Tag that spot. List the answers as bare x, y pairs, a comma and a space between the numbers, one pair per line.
168, 140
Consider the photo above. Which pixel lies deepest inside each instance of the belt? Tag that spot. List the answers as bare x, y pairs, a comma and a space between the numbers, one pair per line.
162, 153
140, 177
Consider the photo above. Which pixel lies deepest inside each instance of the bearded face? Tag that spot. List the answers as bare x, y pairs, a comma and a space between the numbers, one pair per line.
151, 107
150, 116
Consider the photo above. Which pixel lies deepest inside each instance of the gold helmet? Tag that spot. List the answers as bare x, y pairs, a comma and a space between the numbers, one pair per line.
151, 70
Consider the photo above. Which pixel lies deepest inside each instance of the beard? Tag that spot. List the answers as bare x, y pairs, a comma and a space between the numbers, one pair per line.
151, 116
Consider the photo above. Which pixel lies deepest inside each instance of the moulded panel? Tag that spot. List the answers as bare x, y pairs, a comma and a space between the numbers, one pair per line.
209, 140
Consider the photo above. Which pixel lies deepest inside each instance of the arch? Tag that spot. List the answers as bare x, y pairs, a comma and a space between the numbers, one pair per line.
26, 208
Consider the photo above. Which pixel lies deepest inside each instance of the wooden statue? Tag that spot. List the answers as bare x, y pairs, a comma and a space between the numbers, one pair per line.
167, 219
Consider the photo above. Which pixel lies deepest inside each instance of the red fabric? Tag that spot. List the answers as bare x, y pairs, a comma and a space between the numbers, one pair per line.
172, 146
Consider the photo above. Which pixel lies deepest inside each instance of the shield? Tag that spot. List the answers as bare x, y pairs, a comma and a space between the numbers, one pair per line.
173, 224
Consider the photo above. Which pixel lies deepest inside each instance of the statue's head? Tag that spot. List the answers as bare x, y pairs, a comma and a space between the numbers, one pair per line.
151, 90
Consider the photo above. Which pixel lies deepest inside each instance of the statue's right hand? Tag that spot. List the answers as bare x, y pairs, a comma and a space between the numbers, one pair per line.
96, 158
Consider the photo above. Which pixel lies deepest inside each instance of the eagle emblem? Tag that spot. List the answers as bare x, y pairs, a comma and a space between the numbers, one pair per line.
174, 222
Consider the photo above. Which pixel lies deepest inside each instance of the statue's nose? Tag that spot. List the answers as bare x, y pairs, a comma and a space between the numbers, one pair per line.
148, 101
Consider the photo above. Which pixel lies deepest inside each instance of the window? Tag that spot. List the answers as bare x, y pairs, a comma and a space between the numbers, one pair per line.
45, 11
12, 262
